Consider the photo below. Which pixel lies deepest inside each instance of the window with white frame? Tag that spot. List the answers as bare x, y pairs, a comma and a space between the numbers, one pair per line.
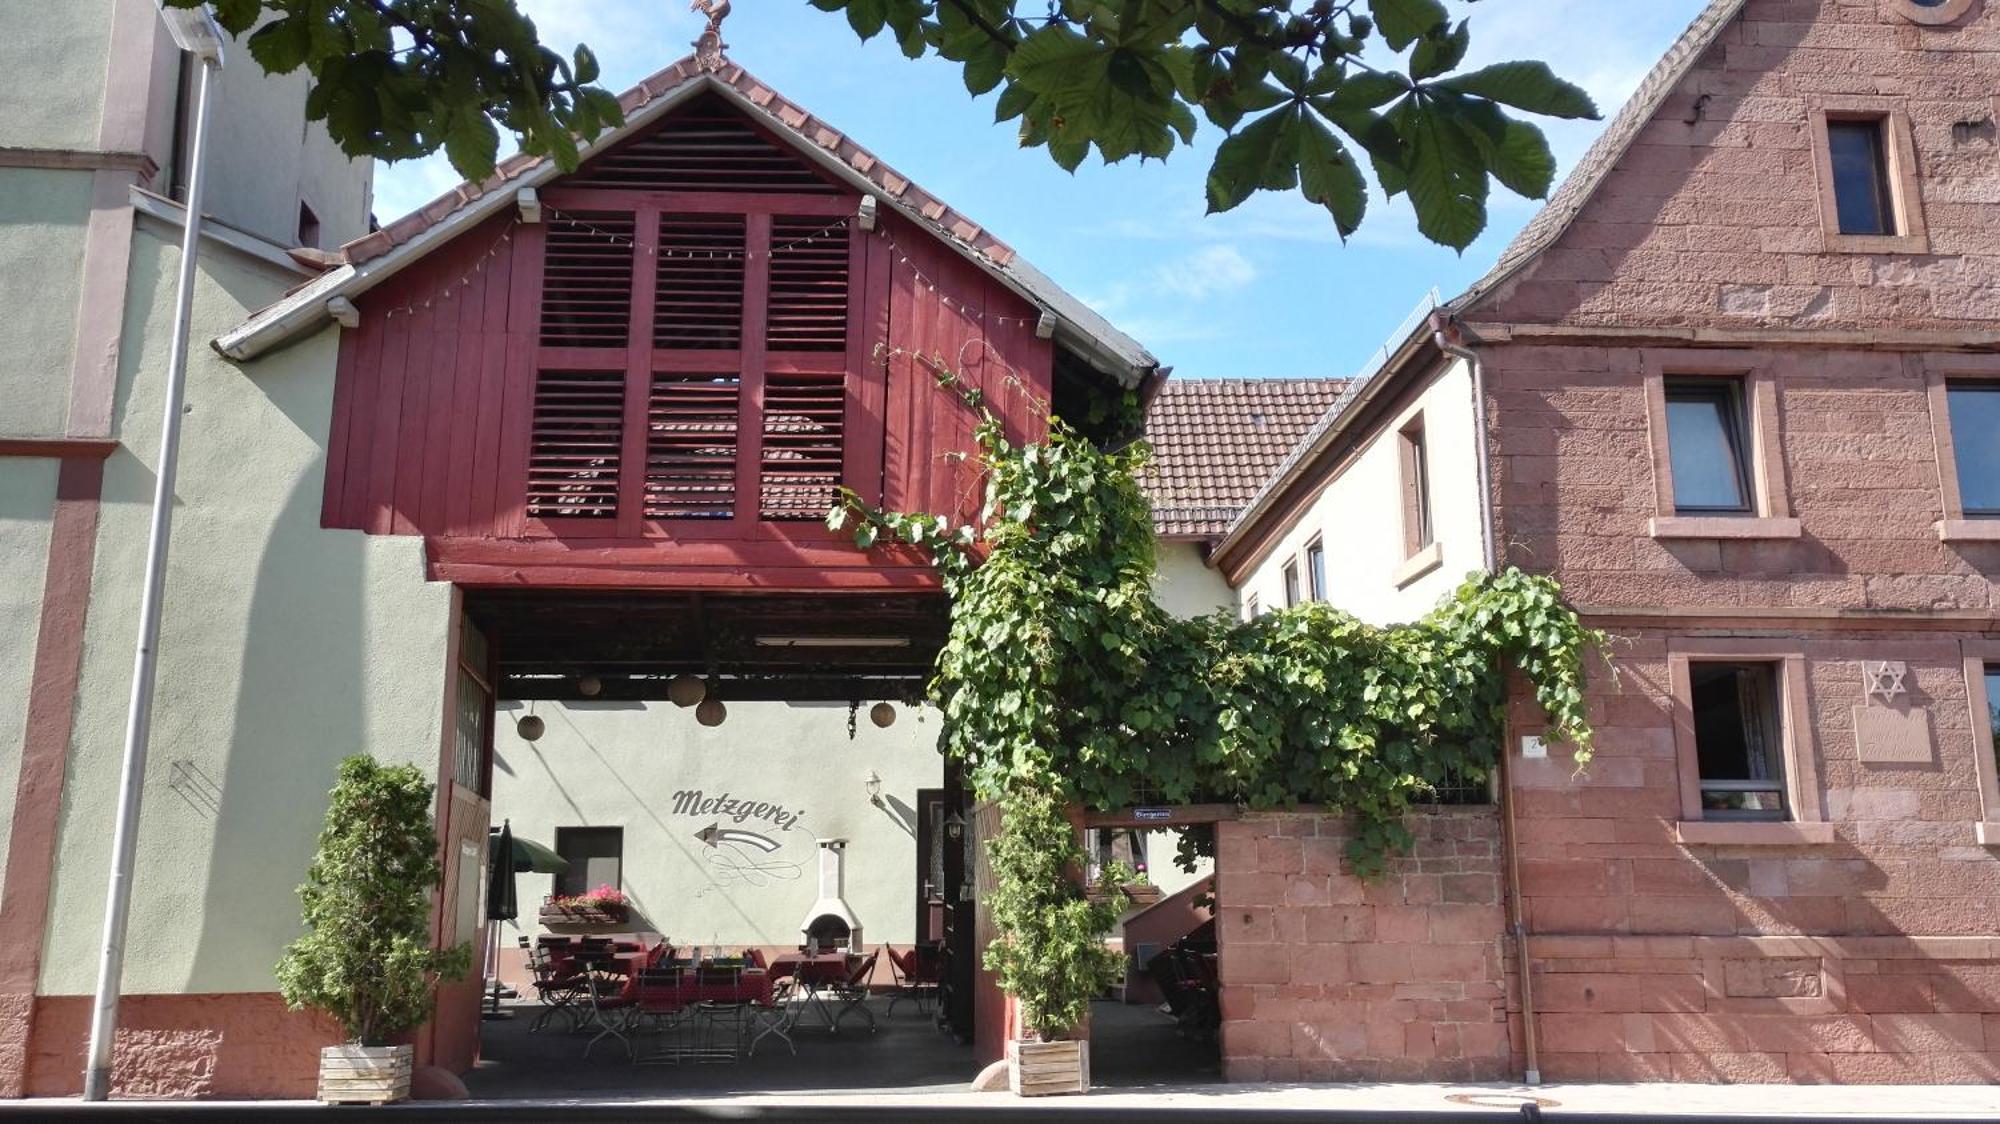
1739, 738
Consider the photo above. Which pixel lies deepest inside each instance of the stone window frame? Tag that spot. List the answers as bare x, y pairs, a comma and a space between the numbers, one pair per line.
1936, 15
1977, 654
1419, 499
1772, 498
1803, 798
1939, 371
1900, 150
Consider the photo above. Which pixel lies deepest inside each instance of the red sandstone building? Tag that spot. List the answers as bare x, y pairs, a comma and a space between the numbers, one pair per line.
1731, 388
1738, 388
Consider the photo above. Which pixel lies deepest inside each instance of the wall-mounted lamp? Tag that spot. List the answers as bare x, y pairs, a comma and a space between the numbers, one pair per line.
530, 205
872, 784
954, 826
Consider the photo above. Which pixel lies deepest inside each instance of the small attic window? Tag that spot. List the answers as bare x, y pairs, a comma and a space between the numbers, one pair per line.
308, 226
1928, 12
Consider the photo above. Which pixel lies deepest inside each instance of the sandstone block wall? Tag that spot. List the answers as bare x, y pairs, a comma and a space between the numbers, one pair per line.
1852, 1010
1713, 214
1326, 977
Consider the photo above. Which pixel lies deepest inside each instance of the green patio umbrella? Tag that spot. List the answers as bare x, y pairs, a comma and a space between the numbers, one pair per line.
530, 857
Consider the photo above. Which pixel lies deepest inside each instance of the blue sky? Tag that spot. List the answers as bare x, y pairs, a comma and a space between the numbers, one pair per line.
1265, 290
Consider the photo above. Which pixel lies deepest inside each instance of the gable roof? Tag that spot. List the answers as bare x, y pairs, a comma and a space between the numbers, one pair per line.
1541, 233
372, 259
1216, 440
1577, 188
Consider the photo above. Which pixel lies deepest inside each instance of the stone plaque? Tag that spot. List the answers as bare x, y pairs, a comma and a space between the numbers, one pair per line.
1773, 978
1892, 735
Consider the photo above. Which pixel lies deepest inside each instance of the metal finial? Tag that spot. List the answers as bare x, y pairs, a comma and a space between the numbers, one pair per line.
708, 47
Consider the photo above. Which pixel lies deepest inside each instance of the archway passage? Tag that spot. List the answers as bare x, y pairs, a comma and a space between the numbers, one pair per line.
800, 794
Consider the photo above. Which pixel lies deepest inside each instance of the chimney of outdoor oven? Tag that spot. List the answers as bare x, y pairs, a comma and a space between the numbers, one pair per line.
831, 922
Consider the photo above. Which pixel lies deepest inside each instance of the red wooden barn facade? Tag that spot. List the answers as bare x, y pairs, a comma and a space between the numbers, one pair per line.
655, 372
617, 404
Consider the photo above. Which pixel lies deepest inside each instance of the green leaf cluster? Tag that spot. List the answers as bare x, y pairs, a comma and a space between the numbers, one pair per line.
396, 79
1051, 956
366, 958
1063, 682
1306, 91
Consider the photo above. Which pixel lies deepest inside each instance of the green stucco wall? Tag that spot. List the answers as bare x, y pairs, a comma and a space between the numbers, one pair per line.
42, 219
53, 53
284, 648
620, 765
27, 500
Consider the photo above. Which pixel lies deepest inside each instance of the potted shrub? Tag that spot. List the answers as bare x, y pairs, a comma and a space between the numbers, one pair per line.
366, 958
1051, 956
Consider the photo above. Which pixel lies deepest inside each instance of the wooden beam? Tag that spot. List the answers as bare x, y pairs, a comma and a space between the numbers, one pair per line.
59, 448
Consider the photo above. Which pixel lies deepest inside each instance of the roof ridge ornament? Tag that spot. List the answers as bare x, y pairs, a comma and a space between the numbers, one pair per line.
708, 46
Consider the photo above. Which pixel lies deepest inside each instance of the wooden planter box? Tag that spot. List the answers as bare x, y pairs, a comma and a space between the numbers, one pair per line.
351, 1074
1040, 1069
584, 915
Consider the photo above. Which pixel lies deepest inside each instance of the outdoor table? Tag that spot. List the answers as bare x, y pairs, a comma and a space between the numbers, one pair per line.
812, 974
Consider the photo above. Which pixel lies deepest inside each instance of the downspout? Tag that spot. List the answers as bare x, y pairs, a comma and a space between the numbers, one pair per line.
1447, 335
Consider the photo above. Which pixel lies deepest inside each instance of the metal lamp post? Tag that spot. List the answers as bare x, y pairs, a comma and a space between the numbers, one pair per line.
195, 31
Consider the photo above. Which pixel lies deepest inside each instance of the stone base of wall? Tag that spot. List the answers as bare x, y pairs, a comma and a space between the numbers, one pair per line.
1852, 1010
181, 1047
1326, 977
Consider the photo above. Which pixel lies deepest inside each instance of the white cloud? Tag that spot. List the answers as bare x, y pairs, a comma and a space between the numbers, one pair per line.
1212, 269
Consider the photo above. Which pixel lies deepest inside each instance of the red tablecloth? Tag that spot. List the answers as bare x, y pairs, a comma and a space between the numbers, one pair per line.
820, 968
749, 986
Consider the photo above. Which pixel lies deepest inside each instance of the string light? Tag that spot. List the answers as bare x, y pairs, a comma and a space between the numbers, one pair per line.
956, 305
616, 239
410, 308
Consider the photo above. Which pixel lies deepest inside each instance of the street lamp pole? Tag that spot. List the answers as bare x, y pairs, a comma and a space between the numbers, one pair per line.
194, 30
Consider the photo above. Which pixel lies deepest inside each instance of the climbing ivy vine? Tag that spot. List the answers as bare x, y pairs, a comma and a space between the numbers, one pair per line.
1062, 682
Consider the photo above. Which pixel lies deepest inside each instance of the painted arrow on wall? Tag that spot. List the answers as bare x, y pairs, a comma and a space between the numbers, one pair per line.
715, 833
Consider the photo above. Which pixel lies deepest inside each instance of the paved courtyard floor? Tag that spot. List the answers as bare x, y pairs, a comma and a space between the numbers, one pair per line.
1132, 1048
1142, 1071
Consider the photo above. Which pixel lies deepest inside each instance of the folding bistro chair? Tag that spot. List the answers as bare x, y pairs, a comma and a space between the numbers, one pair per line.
611, 1010
556, 985
721, 1012
853, 993
915, 976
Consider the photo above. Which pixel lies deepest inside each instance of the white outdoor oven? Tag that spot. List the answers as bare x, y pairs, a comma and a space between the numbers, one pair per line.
831, 923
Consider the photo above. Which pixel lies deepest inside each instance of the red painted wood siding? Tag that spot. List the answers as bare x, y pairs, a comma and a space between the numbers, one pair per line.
438, 389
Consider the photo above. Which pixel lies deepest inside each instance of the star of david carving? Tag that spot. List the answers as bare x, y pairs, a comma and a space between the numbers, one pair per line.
1884, 678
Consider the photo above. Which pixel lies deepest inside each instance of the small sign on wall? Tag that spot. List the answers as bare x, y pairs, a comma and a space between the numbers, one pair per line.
1888, 730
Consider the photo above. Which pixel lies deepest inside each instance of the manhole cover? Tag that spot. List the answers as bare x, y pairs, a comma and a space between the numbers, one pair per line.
1500, 1100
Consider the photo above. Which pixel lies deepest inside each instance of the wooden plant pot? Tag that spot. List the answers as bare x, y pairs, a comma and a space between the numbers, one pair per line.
1040, 1069
350, 1074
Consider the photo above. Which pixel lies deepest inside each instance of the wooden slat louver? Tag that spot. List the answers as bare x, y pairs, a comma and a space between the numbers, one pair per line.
573, 450
707, 146
808, 309
804, 427
691, 446
699, 299
587, 280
